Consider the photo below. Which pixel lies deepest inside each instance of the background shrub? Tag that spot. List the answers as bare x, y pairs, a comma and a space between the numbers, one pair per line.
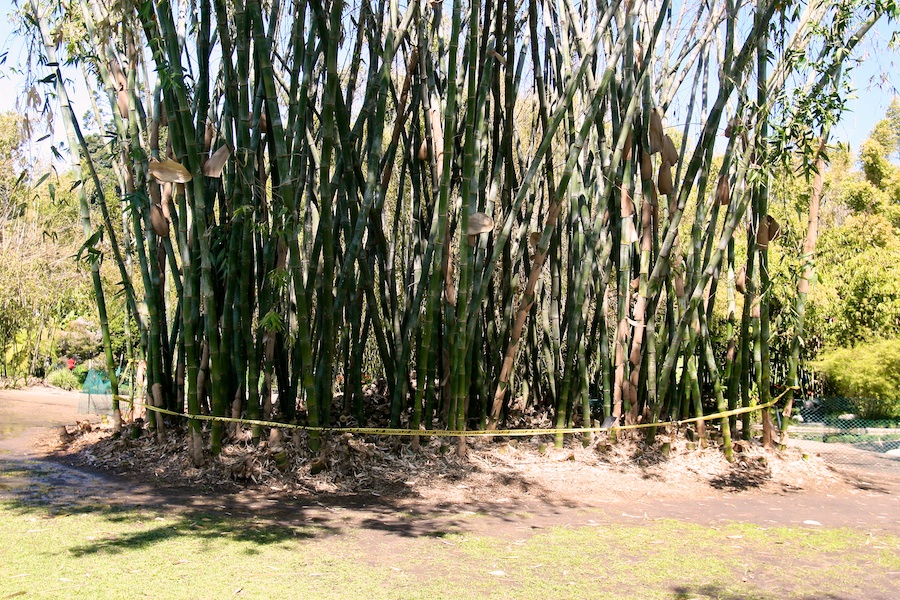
81, 372
65, 379
868, 374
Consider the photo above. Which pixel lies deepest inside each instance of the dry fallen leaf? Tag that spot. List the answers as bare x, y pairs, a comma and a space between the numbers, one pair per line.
169, 171
216, 162
158, 221
480, 223
669, 151
656, 131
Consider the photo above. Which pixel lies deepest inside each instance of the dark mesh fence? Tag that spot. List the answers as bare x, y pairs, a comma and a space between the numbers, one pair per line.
835, 430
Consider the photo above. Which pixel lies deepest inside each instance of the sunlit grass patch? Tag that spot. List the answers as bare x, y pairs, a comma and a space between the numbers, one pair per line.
118, 552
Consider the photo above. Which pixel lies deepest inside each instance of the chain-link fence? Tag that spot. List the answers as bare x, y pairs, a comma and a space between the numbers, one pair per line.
833, 429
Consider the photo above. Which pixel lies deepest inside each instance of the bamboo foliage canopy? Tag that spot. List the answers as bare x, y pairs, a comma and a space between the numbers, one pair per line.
498, 210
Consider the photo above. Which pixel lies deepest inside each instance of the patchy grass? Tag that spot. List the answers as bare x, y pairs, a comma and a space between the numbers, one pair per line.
672, 559
111, 553
103, 551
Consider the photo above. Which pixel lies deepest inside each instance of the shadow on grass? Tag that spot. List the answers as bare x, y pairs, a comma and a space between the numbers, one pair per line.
720, 593
25, 491
47, 487
196, 526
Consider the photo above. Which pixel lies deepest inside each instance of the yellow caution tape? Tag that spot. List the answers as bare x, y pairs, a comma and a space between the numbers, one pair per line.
454, 433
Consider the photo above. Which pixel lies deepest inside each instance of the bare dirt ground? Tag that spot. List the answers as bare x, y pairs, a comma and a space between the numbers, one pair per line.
376, 485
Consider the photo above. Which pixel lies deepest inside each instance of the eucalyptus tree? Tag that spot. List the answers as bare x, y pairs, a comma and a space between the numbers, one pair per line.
500, 209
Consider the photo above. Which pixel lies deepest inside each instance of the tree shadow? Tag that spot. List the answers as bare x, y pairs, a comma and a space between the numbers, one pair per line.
720, 593
743, 475
857, 480
202, 526
254, 514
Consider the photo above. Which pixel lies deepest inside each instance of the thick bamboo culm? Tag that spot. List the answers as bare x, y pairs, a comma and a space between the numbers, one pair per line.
496, 211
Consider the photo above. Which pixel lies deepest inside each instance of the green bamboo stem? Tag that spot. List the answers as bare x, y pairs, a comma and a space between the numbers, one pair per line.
761, 210
164, 45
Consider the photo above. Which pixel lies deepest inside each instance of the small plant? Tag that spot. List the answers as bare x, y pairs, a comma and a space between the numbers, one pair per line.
65, 379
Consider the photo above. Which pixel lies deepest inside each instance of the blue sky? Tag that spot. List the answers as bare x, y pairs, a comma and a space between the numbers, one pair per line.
876, 80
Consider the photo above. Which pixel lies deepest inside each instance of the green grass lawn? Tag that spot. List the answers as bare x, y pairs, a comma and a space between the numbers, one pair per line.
108, 552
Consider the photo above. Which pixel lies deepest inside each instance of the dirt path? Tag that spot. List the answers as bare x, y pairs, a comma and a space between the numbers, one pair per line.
868, 464
25, 414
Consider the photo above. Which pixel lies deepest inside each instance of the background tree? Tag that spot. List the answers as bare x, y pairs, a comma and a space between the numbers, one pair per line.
41, 287
858, 296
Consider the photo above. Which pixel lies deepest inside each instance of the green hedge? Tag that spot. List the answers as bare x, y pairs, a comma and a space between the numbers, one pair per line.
868, 374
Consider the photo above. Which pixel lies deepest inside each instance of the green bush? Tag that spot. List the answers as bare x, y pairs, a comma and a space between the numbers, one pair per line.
869, 375
81, 372
65, 379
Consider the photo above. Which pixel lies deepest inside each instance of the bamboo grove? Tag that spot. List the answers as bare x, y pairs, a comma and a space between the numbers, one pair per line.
494, 209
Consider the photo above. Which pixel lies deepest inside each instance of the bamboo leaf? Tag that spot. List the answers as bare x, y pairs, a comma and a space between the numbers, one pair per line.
90, 246
272, 322
42, 179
